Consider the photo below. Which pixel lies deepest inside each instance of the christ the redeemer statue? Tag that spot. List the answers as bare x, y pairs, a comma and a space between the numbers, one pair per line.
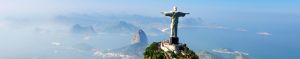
174, 14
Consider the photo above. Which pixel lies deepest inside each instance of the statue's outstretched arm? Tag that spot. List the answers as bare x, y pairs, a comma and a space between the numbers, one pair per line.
167, 13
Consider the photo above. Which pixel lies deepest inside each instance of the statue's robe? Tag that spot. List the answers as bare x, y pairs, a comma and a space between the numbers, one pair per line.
174, 21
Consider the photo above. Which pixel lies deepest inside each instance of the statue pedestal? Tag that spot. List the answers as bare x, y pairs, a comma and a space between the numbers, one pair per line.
174, 40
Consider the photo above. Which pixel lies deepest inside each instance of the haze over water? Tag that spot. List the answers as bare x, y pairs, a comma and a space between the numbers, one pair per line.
265, 29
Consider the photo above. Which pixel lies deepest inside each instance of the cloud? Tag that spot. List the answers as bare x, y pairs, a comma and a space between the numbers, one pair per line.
216, 26
228, 51
164, 29
99, 53
264, 33
56, 43
223, 50
3, 24
242, 29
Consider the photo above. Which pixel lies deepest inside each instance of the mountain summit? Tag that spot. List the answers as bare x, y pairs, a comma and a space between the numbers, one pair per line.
139, 38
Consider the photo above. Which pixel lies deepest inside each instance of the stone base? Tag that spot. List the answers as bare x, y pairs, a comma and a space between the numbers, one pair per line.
174, 40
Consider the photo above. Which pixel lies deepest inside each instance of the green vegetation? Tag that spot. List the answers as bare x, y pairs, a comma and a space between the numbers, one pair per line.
154, 52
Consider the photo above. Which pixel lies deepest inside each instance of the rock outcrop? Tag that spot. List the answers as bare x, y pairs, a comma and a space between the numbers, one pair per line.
155, 51
139, 38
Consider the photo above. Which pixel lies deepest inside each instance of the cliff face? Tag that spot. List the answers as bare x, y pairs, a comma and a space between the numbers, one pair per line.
154, 51
140, 38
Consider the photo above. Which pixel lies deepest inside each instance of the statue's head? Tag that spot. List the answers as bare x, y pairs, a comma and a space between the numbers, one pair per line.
174, 8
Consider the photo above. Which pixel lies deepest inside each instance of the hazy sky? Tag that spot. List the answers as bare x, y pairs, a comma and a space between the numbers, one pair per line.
147, 7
